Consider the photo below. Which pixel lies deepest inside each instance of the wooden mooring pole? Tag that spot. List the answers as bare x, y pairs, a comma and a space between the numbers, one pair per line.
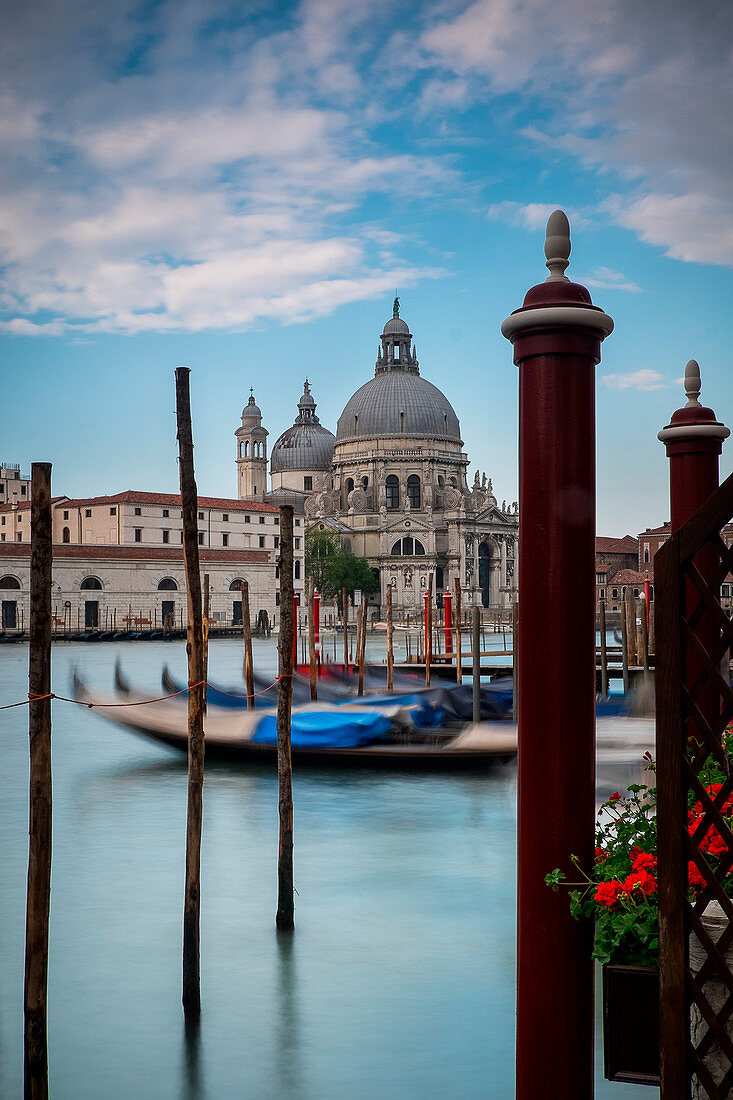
196, 677
285, 918
312, 637
624, 648
361, 642
38, 904
459, 639
604, 648
249, 672
390, 639
476, 654
345, 617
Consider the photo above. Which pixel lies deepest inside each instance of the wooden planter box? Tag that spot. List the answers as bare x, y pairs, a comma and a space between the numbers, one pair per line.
631, 1024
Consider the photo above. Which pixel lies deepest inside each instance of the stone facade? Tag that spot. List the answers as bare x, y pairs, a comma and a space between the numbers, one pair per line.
393, 485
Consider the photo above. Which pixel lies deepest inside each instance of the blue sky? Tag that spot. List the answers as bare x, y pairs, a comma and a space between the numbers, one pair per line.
242, 187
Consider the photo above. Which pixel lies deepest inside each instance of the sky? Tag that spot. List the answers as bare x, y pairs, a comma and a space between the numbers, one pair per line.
242, 188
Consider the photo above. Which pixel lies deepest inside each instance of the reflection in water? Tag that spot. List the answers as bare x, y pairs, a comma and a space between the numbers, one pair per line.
192, 1076
288, 1039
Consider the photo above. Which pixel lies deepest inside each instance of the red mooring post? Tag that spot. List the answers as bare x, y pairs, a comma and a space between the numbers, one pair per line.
317, 629
557, 338
448, 621
296, 605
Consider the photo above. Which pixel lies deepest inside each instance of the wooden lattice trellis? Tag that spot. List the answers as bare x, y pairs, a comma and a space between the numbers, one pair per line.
694, 709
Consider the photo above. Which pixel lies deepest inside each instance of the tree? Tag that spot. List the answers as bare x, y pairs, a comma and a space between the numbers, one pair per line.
332, 568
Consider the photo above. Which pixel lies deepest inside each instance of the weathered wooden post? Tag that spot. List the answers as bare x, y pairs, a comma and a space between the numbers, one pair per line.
624, 648
476, 655
448, 621
604, 648
345, 616
428, 629
317, 629
249, 673
312, 637
630, 608
459, 639
694, 441
196, 676
556, 336
361, 640
390, 639
38, 904
285, 919
515, 662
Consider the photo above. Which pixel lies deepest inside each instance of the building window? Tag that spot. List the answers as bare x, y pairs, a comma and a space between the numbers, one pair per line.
225, 538
225, 517
408, 546
138, 512
66, 535
307, 483
602, 594
349, 485
646, 553
20, 538
3, 521
413, 490
725, 590
277, 599
88, 513
113, 511
600, 578
636, 593
276, 521
247, 519
297, 569
2, 537
392, 490
166, 536
138, 534
201, 538
166, 513
262, 519
262, 542
181, 536
66, 515
614, 593
297, 544
277, 572
201, 515
167, 585
91, 584
297, 522
276, 541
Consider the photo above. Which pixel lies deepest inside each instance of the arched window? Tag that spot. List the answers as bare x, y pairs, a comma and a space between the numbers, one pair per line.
245, 449
236, 586
365, 483
90, 583
408, 546
167, 585
392, 487
441, 481
439, 582
9, 582
296, 569
66, 535
413, 490
349, 484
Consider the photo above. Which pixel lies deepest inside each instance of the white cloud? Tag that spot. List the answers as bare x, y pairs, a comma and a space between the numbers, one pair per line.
605, 278
643, 380
690, 227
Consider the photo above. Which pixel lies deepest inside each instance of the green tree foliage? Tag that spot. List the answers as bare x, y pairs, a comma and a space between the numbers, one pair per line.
332, 568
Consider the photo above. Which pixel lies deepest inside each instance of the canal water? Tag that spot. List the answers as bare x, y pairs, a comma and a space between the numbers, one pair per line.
399, 981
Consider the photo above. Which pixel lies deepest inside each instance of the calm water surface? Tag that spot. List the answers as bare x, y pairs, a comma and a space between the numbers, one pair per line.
399, 981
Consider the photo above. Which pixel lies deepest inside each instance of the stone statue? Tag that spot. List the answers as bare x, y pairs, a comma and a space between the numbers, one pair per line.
396, 308
483, 482
476, 480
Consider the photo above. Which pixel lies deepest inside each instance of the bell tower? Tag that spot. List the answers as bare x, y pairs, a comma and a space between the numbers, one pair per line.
251, 453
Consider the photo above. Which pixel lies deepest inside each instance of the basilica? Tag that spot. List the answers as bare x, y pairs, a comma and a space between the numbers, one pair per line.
392, 482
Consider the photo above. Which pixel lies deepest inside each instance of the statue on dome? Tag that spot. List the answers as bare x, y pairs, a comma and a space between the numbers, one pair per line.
396, 308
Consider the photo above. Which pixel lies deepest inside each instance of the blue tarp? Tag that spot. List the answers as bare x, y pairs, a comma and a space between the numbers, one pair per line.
326, 730
422, 711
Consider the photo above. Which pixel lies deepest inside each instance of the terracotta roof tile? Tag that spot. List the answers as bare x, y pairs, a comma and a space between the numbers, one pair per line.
133, 496
626, 545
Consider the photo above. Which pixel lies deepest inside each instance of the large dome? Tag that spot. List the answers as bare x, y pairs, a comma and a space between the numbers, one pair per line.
398, 402
307, 445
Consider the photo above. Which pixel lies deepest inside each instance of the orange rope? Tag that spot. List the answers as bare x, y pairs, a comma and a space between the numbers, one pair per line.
32, 698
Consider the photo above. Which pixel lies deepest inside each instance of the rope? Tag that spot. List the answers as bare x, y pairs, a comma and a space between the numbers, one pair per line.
33, 698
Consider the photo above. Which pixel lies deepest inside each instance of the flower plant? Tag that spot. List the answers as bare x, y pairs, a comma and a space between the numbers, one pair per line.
620, 893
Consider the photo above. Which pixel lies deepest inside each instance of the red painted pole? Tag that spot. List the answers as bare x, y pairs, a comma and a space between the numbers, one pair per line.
448, 621
317, 628
557, 338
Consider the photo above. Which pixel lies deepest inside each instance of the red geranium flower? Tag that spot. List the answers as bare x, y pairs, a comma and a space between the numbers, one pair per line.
614, 797
607, 893
640, 880
694, 877
601, 855
644, 861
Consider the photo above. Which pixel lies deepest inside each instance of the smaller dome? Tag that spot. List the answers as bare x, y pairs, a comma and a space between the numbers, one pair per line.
395, 325
250, 410
307, 445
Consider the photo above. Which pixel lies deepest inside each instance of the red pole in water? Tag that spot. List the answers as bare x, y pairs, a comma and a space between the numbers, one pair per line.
296, 603
557, 338
317, 628
448, 621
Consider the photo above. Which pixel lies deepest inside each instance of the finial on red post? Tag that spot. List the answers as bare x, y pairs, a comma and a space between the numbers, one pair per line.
693, 385
557, 245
